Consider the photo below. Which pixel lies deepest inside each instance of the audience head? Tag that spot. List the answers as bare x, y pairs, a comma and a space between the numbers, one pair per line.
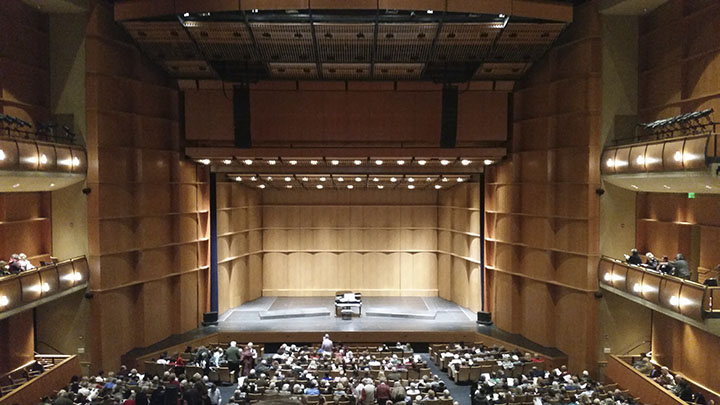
680, 256
233, 344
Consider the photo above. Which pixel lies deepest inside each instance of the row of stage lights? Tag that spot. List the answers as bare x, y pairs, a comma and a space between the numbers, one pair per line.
642, 160
350, 185
355, 162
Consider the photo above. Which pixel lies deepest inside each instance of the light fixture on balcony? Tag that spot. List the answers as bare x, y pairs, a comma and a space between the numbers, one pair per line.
238, 178
288, 178
379, 162
2, 155
465, 162
334, 162
305, 179
4, 301
380, 186
350, 186
227, 161
487, 162
358, 179
357, 162
204, 161
460, 180
375, 179
678, 156
422, 162
313, 162
411, 187
261, 186
322, 178
319, 186
438, 187
272, 162
340, 179
393, 179
44, 159
248, 162
411, 179
610, 162
253, 178
640, 160
444, 162
292, 162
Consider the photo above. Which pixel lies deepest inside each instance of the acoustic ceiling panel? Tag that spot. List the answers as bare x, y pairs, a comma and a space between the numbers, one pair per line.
284, 42
190, 69
346, 71
223, 40
465, 41
398, 71
404, 42
294, 71
163, 40
520, 42
501, 70
345, 42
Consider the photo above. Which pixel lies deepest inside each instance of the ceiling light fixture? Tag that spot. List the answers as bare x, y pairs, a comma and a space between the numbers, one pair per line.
430, 11
253, 178
335, 162
248, 162
358, 179
76, 161
227, 161
293, 162
465, 162
288, 186
411, 179
422, 162
400, 162
357, 162
43, 159
487, 162
444, 162
52, 184
313, 162
238, 178
261, 186
304, 179
4, 301
393, 179
16, 185
444, 179
319, 186
204, 161
380, 186
350, 186
287, 179
378, 162
410, 186
322, 178
340, 179
375, 179
2, 154
272, 162
438, 187
460, 180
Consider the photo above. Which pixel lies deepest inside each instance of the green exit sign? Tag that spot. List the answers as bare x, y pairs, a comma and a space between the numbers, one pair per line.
691, 195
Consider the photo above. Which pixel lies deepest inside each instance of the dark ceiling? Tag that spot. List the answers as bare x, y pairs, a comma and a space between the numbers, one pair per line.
344, 45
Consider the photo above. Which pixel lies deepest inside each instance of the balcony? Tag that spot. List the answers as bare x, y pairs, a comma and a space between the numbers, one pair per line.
688, 301
34, 287
680, 159
38, 160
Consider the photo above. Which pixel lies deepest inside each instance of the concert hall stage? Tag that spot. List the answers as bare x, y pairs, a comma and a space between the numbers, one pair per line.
313, 314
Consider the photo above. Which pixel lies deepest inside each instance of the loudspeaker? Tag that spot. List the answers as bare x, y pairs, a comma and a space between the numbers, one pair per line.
484, 318
241, 116
210, 318
448, 129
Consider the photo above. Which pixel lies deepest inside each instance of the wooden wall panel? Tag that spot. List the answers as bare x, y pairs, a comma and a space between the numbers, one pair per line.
17, 340
667, 224
541, 209
148, 213
240, 242
685, 349
316, 243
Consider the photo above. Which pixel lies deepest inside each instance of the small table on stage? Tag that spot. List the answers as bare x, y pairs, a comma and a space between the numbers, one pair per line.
348, 300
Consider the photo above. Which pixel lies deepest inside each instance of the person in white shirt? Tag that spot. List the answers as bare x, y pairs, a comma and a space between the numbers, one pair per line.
214, 394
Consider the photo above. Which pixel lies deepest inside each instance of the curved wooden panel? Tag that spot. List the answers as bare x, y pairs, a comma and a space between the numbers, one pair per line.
694, 153
691, 300
11, 290
47, 158
654, 157
28, 156
635, 282
31, 287
672, 155
619, 276
49, 280
607, 161
65, 275
637, 158
651, 287
622, 160
670, 293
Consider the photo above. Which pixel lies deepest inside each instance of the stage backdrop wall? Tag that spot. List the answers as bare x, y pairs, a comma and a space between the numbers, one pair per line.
378, 242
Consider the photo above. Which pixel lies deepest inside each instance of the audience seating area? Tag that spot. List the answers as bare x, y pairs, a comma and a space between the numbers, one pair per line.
675, 383
511, 377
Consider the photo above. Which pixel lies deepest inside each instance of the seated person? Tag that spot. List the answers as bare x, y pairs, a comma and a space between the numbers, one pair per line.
664, 266
682, 269
634, 257
651, 262
25, 263
682, 389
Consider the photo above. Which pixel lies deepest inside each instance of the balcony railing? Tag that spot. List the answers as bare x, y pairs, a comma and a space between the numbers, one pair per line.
35, 156
693, 152
30, 288
684, 297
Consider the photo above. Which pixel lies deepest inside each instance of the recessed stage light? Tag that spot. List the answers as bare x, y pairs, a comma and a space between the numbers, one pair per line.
444, 162
378, 162
438, 187
313, 162
380, 186
4, 301
357, 162
487, 162
444, 179
640, 160
465, 162
76, 161
204, 161
248, 162
411, 179
319, 186
401, 162
16, 185
288, 186
350, 186
227, 161
269, 178
272, 162
2, 154
292, 162
422, 162
634, 186
304, 179
410, 186
666, 186
253, 178
43, 159
429, 11
460, 180
340, 179
335, 162
375, 179
501, 15
393, 179
288, 178
708, 187
186, 15
238, 178
677, 156
52, 184
255, 11
45, 287
428, 179
322, 179
358, 179
261, 186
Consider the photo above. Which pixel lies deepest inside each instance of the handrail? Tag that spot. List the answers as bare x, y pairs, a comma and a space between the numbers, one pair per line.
39, 268
51, 380
686, 297
639, 385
